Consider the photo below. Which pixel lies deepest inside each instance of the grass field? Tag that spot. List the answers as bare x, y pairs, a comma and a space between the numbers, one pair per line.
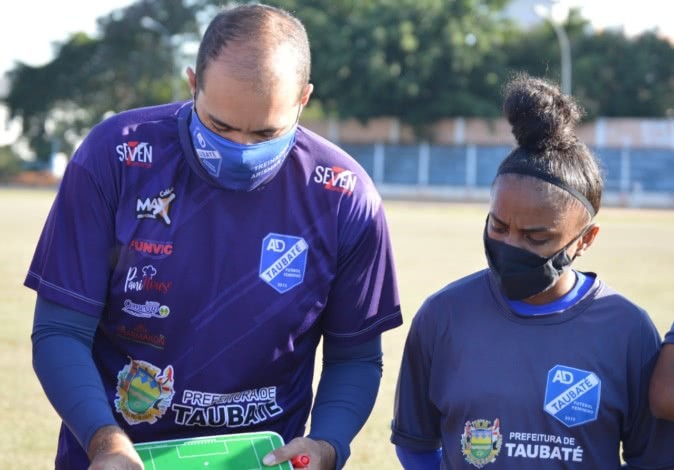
434, 243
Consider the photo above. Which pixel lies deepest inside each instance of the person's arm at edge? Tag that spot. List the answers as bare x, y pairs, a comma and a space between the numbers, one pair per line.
661, 393
62, 341
346, 394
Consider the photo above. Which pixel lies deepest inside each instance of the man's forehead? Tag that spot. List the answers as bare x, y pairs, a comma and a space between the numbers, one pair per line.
264, 68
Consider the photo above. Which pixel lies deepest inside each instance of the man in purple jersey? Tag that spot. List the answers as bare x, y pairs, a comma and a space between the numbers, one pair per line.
197, 253
530, 364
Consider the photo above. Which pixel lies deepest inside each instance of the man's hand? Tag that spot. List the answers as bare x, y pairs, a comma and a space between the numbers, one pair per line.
321, 453
111, 449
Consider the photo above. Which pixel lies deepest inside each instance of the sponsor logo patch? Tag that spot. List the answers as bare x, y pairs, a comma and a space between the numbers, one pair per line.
572, 395
156, 207
144, 392
134, 153
283, 261
151, 249
336, 179
230, 410
545, 447
481, 442
149, 309
140, 334
143, 279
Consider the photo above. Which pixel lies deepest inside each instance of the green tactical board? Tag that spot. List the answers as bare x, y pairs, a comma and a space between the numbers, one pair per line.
243, 451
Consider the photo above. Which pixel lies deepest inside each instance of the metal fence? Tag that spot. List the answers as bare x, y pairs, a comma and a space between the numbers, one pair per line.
637, 177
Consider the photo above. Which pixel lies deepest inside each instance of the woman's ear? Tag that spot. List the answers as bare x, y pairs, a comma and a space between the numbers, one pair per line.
586, 241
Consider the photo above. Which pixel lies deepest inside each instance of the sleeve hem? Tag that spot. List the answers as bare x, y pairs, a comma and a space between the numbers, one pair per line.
414, 443
61, 296
386, 323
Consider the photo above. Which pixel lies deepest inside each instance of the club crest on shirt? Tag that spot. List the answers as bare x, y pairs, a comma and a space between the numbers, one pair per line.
144, 392
156, 207
283, 261
481, 441
572, 395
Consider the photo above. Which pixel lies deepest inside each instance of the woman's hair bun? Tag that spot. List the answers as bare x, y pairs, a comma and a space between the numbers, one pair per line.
540, 115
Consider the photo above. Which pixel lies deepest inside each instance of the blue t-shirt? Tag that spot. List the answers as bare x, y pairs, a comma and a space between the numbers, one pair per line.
491, 386
212, 302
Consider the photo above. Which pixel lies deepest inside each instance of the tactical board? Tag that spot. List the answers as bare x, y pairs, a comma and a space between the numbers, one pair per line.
243, 451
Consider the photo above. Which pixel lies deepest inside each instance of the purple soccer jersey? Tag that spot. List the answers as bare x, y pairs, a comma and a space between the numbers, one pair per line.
512, 392
212, 302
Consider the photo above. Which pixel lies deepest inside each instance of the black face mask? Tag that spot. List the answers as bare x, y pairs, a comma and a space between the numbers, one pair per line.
522, 274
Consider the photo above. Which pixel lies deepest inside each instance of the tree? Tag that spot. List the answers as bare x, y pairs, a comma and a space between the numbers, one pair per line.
411, 59
620, 76
89, 77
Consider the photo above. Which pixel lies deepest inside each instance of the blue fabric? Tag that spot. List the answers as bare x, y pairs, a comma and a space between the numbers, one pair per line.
62, 340
240, 167
580, 288
346, 393
412, 460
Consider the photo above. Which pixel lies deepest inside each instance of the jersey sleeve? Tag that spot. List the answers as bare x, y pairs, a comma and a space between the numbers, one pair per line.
416, 420
363, 300
646, 441
72, 263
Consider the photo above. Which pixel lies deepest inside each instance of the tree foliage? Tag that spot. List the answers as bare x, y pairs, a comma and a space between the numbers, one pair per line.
417, 60
407, 58
129, 65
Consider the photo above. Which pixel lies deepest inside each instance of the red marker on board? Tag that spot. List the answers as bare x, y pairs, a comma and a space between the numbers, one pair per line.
300, 461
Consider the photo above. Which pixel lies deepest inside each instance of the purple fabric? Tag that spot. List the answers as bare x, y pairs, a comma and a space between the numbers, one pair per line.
212, 302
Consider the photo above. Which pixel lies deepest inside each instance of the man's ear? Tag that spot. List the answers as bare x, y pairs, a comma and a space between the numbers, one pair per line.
192, 79
306, 93
586, 241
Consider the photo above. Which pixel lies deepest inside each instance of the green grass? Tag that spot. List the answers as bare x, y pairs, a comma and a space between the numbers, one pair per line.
434, 244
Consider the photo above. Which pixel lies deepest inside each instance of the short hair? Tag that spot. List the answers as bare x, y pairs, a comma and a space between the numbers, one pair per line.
261, 30
543, 121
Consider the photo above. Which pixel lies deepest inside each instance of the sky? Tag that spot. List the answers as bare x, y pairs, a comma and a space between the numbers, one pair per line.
29, 27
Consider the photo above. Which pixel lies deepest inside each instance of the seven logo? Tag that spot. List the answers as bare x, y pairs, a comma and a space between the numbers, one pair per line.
572, 395
283, 261
135, 153
336, 179
159, 205
147, 282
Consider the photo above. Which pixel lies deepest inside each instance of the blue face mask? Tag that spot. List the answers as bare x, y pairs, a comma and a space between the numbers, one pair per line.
239, 167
